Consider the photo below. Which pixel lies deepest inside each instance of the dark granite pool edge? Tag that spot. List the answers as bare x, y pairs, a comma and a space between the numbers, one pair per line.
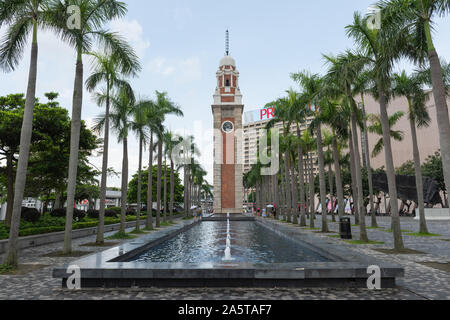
107, 269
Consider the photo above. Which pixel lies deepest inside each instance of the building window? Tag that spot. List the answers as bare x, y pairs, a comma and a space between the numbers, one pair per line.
227, 82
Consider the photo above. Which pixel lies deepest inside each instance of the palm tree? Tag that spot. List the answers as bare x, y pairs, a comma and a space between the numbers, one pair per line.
376, 46
410, 87
94, 14
376, 127
22, 18
164, 106
188, 152
300, 112
170, 142
154, 122
328, 156
109, 69
343, 71
309, 145
312, 86
282, 112
139, 126
362, 87
123, 107
207, 190
416, 19
335, 116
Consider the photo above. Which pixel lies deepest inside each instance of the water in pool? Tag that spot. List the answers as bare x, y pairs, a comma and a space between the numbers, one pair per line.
249, 242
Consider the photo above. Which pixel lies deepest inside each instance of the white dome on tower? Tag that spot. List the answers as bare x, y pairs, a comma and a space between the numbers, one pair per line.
227, 61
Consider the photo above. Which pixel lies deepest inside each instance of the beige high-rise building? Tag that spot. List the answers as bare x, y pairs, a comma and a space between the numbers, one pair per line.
428, 138
255, 123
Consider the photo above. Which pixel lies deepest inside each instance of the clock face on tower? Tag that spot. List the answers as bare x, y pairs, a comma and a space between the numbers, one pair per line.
228, 127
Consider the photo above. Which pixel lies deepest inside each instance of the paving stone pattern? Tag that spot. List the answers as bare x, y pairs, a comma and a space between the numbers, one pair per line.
420, 282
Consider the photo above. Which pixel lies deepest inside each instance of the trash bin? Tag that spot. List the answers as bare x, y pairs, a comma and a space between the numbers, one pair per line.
345, 228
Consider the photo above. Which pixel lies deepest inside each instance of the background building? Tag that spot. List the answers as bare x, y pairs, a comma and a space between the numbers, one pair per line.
255, 123
428, 138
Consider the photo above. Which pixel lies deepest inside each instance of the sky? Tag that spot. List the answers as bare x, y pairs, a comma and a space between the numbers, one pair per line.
180, 44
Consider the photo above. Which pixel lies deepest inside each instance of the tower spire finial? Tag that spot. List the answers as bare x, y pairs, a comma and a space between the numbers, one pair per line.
227, 43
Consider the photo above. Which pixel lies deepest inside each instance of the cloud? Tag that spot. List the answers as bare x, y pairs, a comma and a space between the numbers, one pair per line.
133, 32
181, 70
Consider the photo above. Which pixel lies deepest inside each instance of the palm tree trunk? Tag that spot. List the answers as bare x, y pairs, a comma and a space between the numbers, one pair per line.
149, 222
323, 188
11, 257
419, 180
353, 176
165, 191
283, 194
369, 167
339, 188
185, 192
188, 189
377, 204
301, 178
261, 195
280, 201
257, 194
312, 205
74, 149
103, 184
441, 104
276, 195
139, 188
294, 192
172, 188
283, 190
361, 206
288, 186
307, 202
123, 210
10, 188
390, 170
158, 184
330, 181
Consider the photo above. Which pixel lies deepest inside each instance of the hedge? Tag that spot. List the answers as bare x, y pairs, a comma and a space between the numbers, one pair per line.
77, 214
57, 224
30, 214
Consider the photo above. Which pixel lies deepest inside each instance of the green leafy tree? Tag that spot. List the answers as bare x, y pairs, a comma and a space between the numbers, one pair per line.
406, 169
11, 117
133, 186
22, 18
433, 168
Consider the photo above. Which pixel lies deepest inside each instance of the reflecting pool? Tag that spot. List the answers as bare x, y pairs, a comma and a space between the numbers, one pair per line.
250, 242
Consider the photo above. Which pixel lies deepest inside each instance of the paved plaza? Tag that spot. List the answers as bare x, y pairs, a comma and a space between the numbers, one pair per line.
420, 282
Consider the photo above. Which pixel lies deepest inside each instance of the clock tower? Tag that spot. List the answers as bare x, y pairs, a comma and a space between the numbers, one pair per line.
227, 112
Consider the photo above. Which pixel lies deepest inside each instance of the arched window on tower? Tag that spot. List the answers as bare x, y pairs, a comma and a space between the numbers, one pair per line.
227, 82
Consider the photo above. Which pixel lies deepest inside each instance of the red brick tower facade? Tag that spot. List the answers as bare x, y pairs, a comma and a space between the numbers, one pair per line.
227, 111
